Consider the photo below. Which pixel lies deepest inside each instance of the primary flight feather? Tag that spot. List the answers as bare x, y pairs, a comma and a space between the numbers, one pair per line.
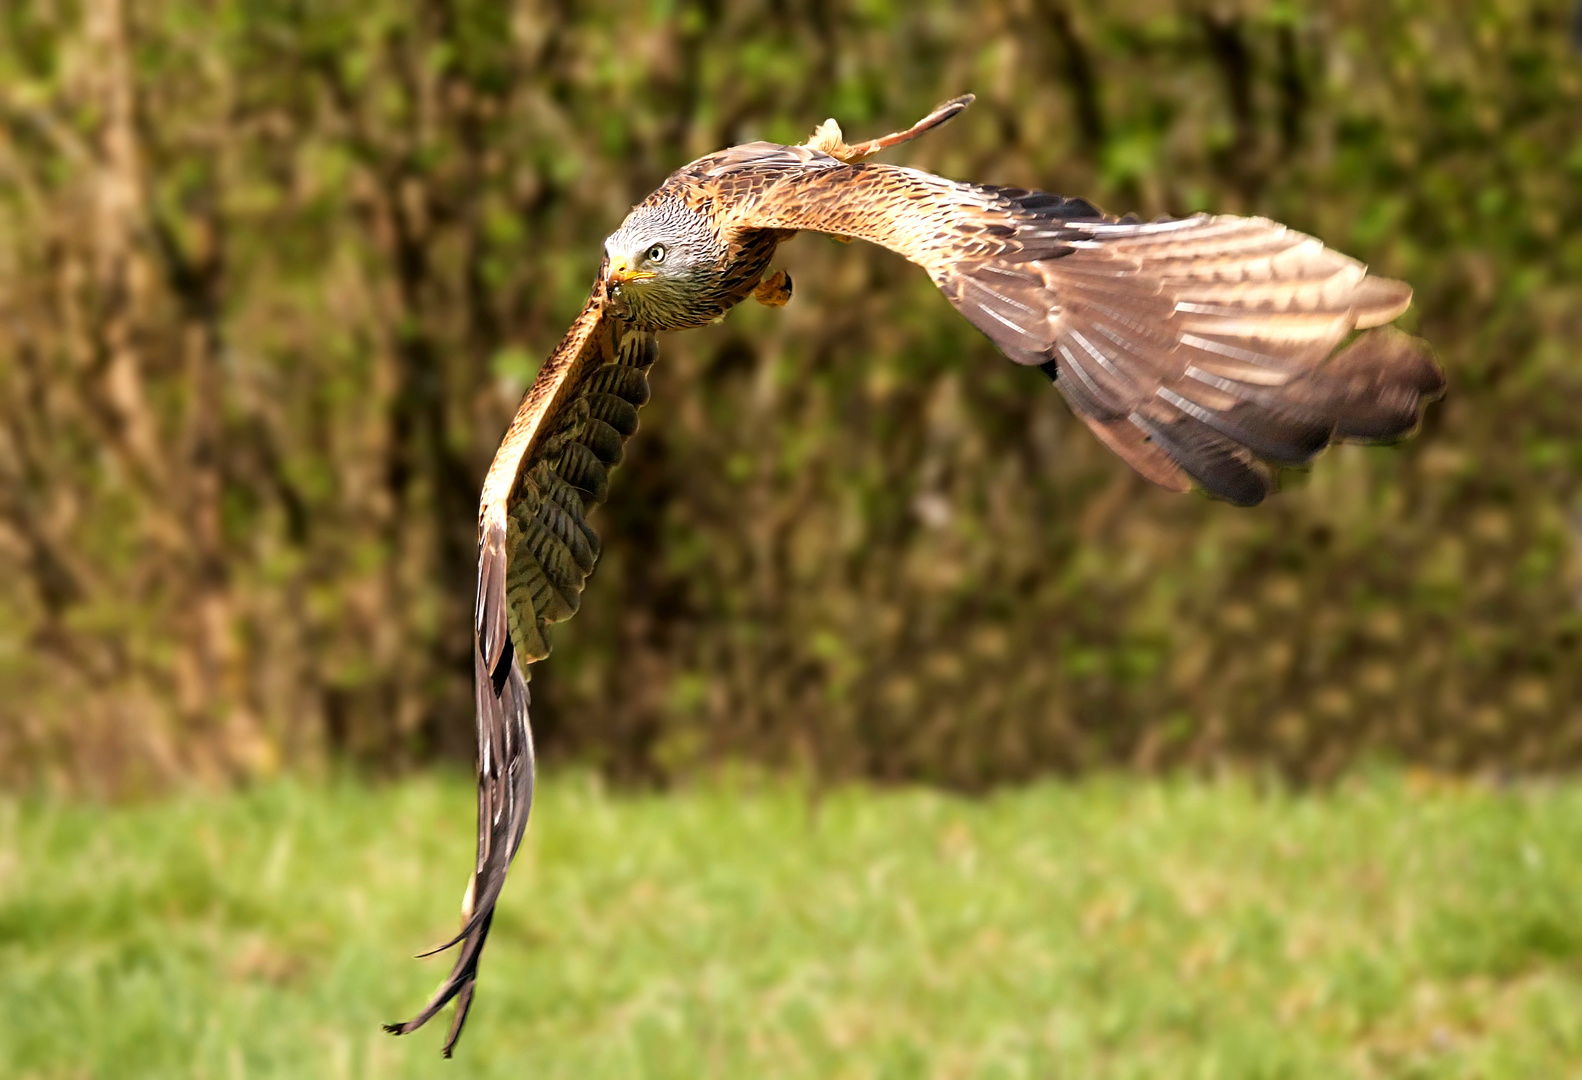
1202, 349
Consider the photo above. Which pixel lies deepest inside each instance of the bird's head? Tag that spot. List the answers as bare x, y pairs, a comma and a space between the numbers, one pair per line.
660, 264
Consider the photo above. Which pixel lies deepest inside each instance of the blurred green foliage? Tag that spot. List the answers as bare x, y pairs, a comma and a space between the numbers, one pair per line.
273, 275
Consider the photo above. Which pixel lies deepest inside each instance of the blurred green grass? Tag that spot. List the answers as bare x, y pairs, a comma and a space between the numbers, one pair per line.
1112, 928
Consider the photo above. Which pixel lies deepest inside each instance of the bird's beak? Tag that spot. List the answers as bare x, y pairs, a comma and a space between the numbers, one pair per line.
619, 273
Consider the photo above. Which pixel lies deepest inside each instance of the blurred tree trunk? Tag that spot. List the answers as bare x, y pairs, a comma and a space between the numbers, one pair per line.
139, 266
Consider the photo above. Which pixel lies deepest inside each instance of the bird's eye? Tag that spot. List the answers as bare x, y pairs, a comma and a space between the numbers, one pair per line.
656, 253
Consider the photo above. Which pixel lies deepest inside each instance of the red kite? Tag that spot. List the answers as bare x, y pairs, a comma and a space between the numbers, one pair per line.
1202, 349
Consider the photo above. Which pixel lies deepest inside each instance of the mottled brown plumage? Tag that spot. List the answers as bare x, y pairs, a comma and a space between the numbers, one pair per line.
1201, 349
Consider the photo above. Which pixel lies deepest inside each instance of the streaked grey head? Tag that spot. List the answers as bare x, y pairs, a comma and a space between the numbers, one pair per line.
662, 265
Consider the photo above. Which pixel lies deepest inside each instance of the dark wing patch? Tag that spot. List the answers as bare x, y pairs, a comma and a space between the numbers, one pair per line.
535, 552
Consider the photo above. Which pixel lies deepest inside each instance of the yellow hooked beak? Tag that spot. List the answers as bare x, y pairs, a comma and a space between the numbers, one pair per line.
620, 273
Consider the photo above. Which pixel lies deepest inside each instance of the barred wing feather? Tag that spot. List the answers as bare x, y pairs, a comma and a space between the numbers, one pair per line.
535, 552
1198, 349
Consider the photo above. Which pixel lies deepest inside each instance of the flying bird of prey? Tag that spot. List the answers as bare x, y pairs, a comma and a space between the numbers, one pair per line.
1201, 350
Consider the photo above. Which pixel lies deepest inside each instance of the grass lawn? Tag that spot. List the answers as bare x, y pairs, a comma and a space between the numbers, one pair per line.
1111, 928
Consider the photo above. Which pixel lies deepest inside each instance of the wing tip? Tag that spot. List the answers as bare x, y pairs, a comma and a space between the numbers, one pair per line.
458, 986
504, 807
1381, 300
1407, 378
828, 139
462, 994
1392, 377
947, 109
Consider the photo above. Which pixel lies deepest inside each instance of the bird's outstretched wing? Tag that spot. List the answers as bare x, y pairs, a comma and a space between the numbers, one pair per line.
535, 550
1197, 349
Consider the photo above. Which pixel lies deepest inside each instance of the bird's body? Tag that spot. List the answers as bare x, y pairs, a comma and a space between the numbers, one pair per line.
1200, 349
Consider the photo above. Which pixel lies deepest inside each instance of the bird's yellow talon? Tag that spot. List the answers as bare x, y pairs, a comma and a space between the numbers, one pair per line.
774, 290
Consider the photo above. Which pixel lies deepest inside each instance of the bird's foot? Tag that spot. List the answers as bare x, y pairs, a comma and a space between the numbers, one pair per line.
774, 290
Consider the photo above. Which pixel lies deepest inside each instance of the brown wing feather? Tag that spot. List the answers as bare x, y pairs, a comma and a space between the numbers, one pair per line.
1202, 347
535, 551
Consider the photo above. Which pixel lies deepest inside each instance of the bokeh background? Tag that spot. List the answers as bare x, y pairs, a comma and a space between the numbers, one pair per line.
273, 277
